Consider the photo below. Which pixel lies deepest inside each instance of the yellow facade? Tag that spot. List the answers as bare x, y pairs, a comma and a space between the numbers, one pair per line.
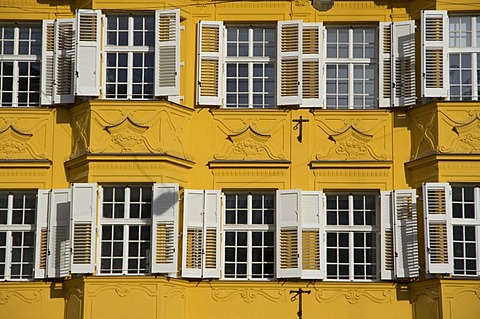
115, 141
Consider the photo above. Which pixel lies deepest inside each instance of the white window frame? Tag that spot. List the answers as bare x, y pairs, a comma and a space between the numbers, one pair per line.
9, 228
130, 49
473, 51
350, 61
249, 228
17, 58
351, 229
250, 60
126, 222
467, 222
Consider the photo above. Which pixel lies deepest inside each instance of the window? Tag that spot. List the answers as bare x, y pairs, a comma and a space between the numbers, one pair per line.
351, 236
351, 66
464, 57
249, 236
125, 224
466, 230
17, 234
130, 56
250, 67
20, 66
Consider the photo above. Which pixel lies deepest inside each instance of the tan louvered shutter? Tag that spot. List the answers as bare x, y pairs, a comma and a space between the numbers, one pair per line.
311, 64
84, 218
64, 62
211, 224
289, 57
167, 52
48, 50
210, 60
87, 53
289, 233
387, 253
41, 232
434, 51
437, 210
193, 211
312, 236
406, 233
164, 228
58, 260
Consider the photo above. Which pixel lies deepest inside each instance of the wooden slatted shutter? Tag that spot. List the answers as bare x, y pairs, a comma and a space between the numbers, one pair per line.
64, 61
84, 218
311, 64
406, 233
387, 252
289, 233
41, 233
48, 50
193, 211
167, 52
211, 242
312, 235
210, 61
403, 45
434, 35
437, 210
385, 65
289, 65
164, 228
87, 53
58, 260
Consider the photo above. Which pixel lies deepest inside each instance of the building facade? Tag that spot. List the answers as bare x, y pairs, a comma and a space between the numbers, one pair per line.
208, 159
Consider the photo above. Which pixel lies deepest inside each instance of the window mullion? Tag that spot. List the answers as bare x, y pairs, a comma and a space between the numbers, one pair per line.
129, 74
10, 209
8, 255
125, 249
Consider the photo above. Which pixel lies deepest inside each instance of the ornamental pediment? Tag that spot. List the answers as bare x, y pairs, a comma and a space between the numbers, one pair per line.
128, 135
14, 144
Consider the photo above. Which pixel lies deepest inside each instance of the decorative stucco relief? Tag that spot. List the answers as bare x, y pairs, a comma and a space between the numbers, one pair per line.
249, 295
353, 296
81, 126
138, 132
464, 135
124, 290
350, 142
248, 143
15, 144
27, 296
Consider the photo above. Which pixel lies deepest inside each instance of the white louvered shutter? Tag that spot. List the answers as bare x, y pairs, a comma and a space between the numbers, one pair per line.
434, 35
210, 61
87, 66
289, 233
385, 65
193, 211
64, 61
167, 52
84, 218
48, 50
312, 235
437, 210
387, 252
58, 260
311, 64
403, 46
289, 61
406, 233
41, 233
211, 224
164, 228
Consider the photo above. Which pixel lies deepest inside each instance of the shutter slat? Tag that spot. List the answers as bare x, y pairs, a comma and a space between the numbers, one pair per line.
289, 234
403, 46
164, 228
434, 50
211, 242
437, 211
387, 260
312, 232
210, 59
88, 53
289, 70
64, 61
48, 49
311, 64
84, 217
167, 52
